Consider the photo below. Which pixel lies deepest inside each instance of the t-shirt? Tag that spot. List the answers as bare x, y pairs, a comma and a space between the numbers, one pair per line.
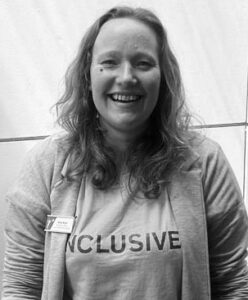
123, 248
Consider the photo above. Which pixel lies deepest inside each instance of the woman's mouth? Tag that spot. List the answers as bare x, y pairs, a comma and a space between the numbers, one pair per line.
124, 98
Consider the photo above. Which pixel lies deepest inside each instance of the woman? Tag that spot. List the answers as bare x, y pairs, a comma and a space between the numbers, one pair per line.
128, 204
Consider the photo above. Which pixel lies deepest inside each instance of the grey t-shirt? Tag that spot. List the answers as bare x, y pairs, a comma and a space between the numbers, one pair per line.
123, 248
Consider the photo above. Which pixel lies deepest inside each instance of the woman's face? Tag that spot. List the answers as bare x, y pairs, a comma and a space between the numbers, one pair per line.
125, 74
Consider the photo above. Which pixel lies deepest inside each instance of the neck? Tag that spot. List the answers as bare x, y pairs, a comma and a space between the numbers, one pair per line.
120, 140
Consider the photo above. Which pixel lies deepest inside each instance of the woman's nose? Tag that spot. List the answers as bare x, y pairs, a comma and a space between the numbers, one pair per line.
126, 75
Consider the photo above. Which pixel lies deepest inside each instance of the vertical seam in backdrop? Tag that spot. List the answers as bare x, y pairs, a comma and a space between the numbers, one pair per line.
245, 145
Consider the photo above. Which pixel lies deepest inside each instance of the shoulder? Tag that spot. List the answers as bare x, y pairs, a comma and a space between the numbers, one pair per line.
203, 146
207, 157
203, 153
49, 150
220, 185
41, 170
47, 158
53, 144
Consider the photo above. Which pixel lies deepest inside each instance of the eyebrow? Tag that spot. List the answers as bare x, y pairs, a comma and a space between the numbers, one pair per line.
107, 53
114, 53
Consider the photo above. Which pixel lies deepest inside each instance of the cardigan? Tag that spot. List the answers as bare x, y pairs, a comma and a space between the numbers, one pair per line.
205, 199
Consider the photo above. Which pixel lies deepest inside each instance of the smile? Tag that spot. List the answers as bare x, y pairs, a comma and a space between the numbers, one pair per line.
125, 98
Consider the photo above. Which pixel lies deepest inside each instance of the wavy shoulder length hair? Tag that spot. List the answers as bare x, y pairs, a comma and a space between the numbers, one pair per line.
162, 147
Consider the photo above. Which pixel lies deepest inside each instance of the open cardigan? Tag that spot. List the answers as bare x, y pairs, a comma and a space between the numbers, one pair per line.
206, 202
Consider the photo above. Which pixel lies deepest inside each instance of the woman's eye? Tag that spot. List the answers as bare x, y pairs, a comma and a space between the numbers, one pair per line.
109, 63
144, 64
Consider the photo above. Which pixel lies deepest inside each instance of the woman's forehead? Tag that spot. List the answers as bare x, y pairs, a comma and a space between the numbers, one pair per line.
125, 33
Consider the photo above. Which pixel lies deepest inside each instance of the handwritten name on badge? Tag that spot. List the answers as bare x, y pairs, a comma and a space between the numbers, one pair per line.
59, 224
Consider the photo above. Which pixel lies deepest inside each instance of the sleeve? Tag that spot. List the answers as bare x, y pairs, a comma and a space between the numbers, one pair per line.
227, 229
28, 203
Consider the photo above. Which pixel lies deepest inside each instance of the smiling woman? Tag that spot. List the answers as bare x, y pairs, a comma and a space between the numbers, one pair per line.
123, 90
127, 203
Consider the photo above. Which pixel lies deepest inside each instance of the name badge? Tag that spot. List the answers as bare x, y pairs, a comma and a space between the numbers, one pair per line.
59, 224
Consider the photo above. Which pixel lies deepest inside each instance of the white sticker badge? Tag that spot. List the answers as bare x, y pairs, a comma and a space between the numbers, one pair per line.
59, 224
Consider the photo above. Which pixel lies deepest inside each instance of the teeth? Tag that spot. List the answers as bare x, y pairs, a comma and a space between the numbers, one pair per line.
125, 98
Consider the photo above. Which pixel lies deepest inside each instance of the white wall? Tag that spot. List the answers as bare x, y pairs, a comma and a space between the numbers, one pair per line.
39, 38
